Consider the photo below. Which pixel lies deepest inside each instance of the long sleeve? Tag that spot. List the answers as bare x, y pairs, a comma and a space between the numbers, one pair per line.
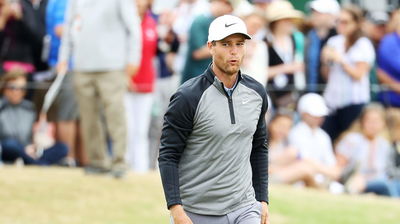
178, 124
259, 156
131, 20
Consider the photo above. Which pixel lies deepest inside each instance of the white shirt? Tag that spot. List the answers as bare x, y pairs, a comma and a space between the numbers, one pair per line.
342, 90
357, 149
312, 144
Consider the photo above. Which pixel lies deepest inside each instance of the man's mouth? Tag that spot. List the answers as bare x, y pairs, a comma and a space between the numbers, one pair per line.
233, 61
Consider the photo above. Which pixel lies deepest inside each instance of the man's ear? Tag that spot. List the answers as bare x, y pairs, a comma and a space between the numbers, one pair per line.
210, 46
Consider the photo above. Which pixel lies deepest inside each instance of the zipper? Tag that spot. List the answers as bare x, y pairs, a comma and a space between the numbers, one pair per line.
231, 111
230, 103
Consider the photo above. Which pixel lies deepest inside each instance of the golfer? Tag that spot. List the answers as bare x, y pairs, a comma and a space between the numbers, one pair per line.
213, 154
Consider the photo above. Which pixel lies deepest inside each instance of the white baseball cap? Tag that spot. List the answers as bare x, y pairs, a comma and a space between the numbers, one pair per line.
325, 6
312, 104
226, 25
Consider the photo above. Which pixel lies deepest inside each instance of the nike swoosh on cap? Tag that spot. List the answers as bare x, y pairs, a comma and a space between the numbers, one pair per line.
228, 25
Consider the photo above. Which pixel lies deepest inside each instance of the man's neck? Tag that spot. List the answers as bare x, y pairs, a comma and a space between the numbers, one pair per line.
228, 80
322, 32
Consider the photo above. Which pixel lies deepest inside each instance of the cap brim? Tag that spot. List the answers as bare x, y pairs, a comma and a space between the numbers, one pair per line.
321, 112
246, 36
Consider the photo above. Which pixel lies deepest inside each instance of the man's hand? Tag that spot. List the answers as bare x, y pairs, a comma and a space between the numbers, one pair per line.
179, 215
62, 67
31, 150
264, 213
16, 10
297, 67
330, 54
131, 70
58, 30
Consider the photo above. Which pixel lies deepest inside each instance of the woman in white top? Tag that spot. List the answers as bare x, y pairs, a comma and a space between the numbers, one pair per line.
285, 50
346, 60
366, 154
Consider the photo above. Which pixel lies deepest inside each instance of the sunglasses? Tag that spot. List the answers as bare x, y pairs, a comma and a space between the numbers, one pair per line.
15, 87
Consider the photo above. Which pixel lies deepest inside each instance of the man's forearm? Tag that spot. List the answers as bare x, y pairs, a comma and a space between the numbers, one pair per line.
170, 181
201, 53
259, 162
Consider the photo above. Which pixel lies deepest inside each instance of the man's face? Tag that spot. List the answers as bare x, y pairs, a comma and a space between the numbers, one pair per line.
322, 20
228, 53
372, 123
312, 121
375, 32
14, 90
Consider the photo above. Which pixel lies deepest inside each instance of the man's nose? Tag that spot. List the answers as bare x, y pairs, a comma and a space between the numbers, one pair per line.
234, 49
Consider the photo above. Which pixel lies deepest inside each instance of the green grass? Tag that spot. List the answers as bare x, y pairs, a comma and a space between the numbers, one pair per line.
57, 196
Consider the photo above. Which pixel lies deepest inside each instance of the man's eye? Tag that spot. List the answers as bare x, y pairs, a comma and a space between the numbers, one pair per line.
240, 44
225, 44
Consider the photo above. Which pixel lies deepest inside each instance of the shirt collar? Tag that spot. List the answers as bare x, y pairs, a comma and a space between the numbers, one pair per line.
210, 75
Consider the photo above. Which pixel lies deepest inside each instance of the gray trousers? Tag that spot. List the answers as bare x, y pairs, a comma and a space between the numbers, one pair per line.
248, 215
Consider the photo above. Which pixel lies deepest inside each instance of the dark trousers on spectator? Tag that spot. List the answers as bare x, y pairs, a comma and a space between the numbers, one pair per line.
341, 119
12, 150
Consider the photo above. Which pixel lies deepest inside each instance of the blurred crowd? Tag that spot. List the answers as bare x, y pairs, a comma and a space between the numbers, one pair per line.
332, 75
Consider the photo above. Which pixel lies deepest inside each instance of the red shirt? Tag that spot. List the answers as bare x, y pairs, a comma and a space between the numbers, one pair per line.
143, 81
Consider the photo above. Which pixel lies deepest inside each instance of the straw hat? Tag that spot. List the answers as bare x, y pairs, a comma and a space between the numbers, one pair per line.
283, 9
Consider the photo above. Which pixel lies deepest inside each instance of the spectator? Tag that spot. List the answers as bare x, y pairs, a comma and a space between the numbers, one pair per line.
65, 114
22, 30
347, 59
366, 152
393, 122
106, 41
323, 18
388, 67
375, 29
184, 15
285, 47
166, 84
256, 60
17, 117
313, 143
198, 56
375, 26
261, 5
285, 165
139, 99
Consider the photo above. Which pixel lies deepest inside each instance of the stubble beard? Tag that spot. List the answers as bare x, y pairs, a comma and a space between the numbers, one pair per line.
228, 69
